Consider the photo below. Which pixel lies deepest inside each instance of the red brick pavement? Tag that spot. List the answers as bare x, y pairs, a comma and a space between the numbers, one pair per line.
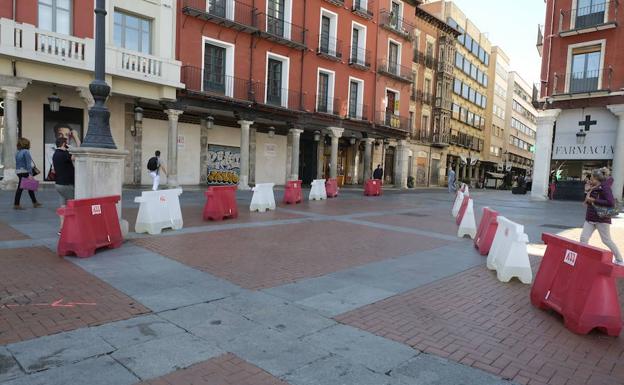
226, 369
473, 319
8, 233
33, 279
193, 216
274, 255
419, 220
344, 206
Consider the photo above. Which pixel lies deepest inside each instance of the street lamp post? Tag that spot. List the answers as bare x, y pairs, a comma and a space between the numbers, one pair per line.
99, 133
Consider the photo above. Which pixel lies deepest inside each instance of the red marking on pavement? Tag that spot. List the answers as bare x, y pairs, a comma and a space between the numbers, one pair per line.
57, 303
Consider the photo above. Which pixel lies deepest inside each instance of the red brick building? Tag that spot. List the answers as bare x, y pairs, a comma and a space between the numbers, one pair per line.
580, 96
312, 88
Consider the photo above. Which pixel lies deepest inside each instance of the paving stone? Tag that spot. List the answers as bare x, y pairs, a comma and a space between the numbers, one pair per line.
95, 371
161, 356
276, 313
273, 351
360, 347
136, 330
9, 368
430, 370
334, 370
339, 301
59, 349
306, 288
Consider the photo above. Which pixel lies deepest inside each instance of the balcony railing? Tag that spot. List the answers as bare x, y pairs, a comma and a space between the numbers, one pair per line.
230, 13
586, 19
279, 97
281, 31
394, 23
201, 81
440, 138
583, 82
424, 97
427, 60
329, 47
357, 111
444, 103
421, 135
327, 105
359, 58
389, 119
395, 70
363, 8
338, 3
33, 44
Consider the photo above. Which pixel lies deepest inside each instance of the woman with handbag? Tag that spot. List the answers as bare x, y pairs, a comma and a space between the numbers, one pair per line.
24, 170
601, 207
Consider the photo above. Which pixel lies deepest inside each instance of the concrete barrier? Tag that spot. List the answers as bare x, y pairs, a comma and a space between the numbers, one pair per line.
318, 191
159, 210
263, 198
459, 198
468, 224
508, 254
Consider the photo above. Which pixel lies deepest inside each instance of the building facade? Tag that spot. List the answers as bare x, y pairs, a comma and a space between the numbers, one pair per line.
521, 120
580, 124
47, 63
470, 88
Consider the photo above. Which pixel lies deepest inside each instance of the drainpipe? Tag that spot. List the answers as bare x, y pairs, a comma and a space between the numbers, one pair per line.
302, 57
14, 10
251, 45
550, 36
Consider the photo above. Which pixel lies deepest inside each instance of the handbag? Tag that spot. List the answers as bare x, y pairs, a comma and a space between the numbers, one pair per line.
35, 169
51, 175
605, 212
29, 184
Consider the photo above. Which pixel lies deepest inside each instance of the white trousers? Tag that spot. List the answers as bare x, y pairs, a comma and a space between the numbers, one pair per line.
155, 180
604, 229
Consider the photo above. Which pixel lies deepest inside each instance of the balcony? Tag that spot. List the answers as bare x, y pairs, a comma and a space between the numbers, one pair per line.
28, 42
444, 103
329, 47
540, 39
198, 80
421, 135
390, 120
279, 97
426, 60
589, 82
281, 31
440, 139
228, 13
337, 3
588, 19
424, 97
359, 58
396, 24
395, 71
363, 8
358, 111
327, 105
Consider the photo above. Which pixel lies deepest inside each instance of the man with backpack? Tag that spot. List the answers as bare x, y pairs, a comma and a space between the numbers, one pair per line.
154, 167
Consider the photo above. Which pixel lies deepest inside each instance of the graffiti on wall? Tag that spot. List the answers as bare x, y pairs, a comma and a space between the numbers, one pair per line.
223, 164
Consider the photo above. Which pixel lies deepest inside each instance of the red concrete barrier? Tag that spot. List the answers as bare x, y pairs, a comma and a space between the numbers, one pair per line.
462, 210
331, 187
373, 187
292, 193
89, 224
487, 230
220, 203
578, 281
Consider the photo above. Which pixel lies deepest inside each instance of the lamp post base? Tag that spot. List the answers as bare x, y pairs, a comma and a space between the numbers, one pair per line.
9, 180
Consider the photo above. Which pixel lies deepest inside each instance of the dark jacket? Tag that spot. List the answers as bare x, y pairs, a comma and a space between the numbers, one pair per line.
604, 197
378, 173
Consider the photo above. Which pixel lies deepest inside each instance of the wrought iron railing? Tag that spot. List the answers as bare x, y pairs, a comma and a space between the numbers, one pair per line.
393, 22
281, 30
389, 119
329, 46
327, 105
395, 70
359, 57
357, 111
597, 14
363, 8
274, 95
202, 81
221, 11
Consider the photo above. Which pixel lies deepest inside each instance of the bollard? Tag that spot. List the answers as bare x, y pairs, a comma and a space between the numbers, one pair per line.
263, 198
508, 254
317, 190
158, 210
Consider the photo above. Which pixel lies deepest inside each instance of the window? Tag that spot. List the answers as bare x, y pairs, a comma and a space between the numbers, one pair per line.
355, 109
428, 86
429, 49
585, 69
55, 16
459, 60
218, 8
590, 13
457, 86
425, 124
456, 111
132, 32
275, 17
322, 102
393, 58
214, 68
358, 44
274, 82
395, 15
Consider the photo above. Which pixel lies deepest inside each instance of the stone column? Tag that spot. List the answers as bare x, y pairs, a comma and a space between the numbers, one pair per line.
356, 163
203, 151
400, 173
457, 169
252, 155
469, 167
243, 180
368, 154
294, 160
172, 148
320, 159
9, 148
336, 133
618, 158
543, 151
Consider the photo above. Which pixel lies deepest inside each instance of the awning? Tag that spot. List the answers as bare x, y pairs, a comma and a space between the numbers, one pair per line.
496, 175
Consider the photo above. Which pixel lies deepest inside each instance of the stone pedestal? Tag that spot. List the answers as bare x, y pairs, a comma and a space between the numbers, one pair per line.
100, 172
618, 158
294, 161
543, 151
336, 133
368, 156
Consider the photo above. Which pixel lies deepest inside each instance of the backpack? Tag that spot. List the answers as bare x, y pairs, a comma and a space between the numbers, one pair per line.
152, 164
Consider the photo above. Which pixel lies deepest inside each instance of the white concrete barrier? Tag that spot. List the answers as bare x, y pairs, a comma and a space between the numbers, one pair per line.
466, 189
159, 210
263, 198
459, 198
468, 224
508, 254
318, 192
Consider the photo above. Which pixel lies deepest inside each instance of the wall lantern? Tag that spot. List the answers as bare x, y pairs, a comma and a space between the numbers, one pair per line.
271, 132
138, 114
55, 102
352, 139
317, 136
580, 137
207, 121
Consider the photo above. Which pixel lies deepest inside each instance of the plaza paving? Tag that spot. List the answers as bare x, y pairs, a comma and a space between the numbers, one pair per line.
352, 290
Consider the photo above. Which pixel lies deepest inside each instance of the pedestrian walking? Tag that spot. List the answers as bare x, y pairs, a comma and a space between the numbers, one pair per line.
451, 180
24, 169
378, 173
600, 195
63, 164
154, 166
